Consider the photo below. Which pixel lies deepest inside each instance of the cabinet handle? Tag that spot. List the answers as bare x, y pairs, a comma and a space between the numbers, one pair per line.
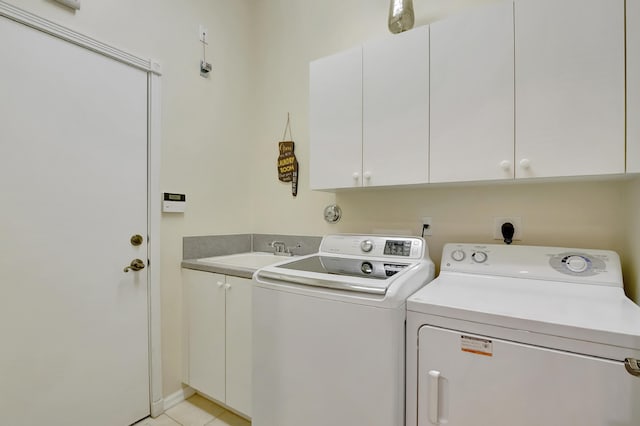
356, 175
434, 381
227, 287
505, 165
367, 175
220, 284
525, 163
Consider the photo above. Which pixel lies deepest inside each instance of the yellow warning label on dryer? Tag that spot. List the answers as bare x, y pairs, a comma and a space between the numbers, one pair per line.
476, 345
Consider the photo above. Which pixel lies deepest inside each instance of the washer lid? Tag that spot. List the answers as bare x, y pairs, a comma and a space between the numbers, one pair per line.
342, 273
592, 313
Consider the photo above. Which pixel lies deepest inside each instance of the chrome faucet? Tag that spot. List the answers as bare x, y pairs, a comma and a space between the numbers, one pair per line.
281, 248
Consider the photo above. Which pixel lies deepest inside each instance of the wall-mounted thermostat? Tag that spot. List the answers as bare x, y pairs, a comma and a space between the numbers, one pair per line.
173, 203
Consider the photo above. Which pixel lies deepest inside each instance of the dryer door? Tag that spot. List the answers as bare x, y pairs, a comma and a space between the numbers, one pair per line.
470, 380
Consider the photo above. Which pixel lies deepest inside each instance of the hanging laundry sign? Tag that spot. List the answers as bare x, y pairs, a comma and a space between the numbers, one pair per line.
287, 162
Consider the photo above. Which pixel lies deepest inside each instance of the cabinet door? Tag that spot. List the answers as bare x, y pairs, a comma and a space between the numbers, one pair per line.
633, 86
396, 109
570, 87
239, 344
467, 380
206, 328
472, 95
335, 120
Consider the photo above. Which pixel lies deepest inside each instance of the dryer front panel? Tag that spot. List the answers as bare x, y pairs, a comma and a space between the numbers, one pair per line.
470, 380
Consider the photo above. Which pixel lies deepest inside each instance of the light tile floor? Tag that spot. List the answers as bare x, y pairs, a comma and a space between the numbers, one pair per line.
196, 411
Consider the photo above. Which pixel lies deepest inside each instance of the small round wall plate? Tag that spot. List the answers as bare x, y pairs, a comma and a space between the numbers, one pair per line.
332, 213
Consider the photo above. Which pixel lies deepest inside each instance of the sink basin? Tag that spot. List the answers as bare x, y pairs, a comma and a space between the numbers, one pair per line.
252, 260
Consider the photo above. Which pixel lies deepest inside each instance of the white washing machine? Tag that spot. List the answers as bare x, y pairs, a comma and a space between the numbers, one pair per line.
523, 336
329, 330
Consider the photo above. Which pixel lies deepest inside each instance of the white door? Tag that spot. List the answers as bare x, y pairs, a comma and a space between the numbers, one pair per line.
73, 155
472, 114
335, 120
395, 109
468, 380
570, 87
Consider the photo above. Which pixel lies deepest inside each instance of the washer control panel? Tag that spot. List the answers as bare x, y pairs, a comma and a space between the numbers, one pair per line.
547, 263
375, 246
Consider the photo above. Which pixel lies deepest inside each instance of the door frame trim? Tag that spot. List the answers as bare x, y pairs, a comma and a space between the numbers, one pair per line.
154, 72
41, 24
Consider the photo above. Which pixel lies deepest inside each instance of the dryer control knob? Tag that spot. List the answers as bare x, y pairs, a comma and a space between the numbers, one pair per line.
366, 246
479, 257
366, 268
577, 264
458, 255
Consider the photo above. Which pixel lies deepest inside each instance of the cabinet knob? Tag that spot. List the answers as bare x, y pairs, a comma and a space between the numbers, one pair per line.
356, 175
367, 175
220, 284
525, 163
227, 287
505, 165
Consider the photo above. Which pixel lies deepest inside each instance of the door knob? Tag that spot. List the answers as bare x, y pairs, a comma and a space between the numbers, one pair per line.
136, 265
136, 240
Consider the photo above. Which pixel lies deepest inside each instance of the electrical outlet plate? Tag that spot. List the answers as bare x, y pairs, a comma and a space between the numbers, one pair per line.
429, 230
516, 221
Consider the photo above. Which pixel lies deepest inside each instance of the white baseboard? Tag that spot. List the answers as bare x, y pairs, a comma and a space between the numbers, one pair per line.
157, 408
177, 397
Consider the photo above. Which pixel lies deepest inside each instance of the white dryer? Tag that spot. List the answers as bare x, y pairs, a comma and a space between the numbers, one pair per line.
329, 329
523, 336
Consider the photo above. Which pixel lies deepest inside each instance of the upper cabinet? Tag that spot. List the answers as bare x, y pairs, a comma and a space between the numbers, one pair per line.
513, 90
335, 120
369, 114
569, 87
472, 111
633, 86
395, 149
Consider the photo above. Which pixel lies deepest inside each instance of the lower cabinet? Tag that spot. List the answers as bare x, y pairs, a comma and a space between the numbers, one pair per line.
218, 337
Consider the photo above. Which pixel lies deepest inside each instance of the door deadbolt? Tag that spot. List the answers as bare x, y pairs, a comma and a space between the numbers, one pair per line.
136, 240
136, 265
